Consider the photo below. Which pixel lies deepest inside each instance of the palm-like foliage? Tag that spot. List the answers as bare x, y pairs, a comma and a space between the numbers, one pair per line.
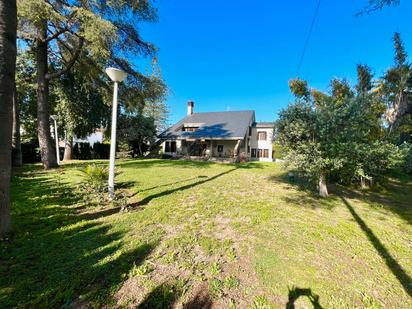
396, 86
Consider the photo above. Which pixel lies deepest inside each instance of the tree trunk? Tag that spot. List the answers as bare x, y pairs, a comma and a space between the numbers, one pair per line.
8, 25
362, 182
323, 189
47, 151
236, 151
140, 148
68, 150
17, 159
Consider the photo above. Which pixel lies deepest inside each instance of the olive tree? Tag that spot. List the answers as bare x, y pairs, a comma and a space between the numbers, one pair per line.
335, 136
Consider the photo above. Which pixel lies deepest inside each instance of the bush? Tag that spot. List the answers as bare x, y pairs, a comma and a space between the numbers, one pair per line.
101, 151
166, 156
82, 151
30, 152
381, 159
243, 157
93, 186
279, 151
406, 150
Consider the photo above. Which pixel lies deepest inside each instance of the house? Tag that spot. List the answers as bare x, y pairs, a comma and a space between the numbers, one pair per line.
96, 137
233, 135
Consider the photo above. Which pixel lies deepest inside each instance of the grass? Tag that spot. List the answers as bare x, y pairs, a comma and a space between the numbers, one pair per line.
198, 234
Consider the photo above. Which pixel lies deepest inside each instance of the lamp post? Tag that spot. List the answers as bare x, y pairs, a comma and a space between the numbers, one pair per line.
116, 76
56, 137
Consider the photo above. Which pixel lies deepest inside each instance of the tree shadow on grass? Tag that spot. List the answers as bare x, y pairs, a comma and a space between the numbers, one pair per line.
201, 300
56, 255
167, 294
295, 293
163, 296
147, 199
105, 212
306, 195
395, 196
404, 279
400, 208
171, 183
147, 163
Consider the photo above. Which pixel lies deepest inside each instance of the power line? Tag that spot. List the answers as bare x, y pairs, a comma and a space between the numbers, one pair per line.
307, 39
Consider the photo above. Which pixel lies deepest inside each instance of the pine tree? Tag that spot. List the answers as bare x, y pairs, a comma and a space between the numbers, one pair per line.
97, 32
8, 25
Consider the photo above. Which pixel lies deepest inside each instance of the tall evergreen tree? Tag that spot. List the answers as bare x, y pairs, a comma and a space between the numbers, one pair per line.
102, 32
8, 25
396, 86
375, 5
80, 106
17, 158
365, 77
26, 95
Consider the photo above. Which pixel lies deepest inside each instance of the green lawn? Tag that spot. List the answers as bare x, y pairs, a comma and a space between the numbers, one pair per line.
199, 234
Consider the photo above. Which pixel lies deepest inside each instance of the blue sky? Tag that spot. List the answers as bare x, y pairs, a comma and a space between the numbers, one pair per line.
238, 54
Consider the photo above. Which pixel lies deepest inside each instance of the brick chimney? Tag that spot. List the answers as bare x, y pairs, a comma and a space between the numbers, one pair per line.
190, 105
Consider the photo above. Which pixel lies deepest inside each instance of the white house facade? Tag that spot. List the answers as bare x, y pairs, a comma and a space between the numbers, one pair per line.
233, 135
261, 141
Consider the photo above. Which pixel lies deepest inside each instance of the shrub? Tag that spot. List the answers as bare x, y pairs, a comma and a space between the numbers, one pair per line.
279, 151
243, 157
101, 151
166, 156
93, 186
30, 151
82, 151
406, 150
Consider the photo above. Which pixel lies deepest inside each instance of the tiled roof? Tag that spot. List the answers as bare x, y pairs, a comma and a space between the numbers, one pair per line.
264, 124
212, 125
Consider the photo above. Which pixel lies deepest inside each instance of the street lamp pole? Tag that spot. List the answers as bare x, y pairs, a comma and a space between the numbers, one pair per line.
56, 137
116, 76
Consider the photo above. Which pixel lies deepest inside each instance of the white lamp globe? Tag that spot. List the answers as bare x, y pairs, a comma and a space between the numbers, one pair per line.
116, 75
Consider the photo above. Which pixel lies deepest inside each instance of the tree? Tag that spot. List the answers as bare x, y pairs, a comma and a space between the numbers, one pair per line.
333, 137
8, 25
80, 106
26, 94
137, 131
375, 5
365, 77
155, 106
396, 86
100, 32
17, 158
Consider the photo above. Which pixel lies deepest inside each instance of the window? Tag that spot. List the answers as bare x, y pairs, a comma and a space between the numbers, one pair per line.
261, 136
250, 131
253, 153
170, 147
219, 148
260, 153
189, 129
248, 149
